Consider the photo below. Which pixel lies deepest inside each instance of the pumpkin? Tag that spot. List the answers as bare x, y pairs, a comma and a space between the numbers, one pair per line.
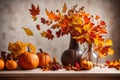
28, 60
44, 58
2, 64
11, 65
87, 65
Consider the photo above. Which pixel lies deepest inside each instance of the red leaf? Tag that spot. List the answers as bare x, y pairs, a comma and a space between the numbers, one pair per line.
38, 27
77, 65
34, 11
58, 33
43, 20
102, 23
49, 34
107, 62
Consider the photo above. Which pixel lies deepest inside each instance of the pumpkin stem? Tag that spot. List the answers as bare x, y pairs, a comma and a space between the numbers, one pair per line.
54, 60
28, 49
41, 50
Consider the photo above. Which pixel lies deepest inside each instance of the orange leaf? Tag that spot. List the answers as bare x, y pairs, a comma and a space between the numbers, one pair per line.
64, 8
97, 17
86, 19
34, 11
51, 15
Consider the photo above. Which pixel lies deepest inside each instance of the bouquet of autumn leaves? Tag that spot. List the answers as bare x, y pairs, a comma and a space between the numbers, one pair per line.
83, 27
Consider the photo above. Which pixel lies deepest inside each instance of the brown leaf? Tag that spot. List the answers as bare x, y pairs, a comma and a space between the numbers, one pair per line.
64, 8
34, 11
38, 27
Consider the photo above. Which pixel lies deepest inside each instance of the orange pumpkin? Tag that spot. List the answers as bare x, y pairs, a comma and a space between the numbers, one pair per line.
44, 58
28, 60
2, 64
85, 64
11, 65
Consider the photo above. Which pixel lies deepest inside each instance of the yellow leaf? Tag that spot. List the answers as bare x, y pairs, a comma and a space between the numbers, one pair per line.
78, 29
28, 31
44, 34
77, 20
86, 26
108, 42
97, 41
64, 8
110, 51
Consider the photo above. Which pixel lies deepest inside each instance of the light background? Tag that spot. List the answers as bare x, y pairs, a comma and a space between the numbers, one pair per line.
14, 15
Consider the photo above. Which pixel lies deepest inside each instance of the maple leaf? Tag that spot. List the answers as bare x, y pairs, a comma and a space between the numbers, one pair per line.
86, 19
84, 14
55, 26
51, 15
97, 17
28, 31
38, 27
77, 20
44, 34
34, 11
108, 42
49, 34
58, 33
110, 51
102, 23
87, 26
64, 8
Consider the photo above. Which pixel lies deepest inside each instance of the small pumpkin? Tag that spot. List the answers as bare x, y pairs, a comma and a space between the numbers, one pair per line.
11, 65
44, 58
87, 65
2, 64
28, 60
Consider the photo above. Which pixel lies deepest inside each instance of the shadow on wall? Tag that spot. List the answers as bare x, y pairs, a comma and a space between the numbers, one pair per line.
116, 28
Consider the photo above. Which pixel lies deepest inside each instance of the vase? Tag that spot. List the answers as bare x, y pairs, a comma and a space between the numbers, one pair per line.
73, 54
90, 54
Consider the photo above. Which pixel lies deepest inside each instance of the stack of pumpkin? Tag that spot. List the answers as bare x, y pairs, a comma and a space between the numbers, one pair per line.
29, 59
25, 59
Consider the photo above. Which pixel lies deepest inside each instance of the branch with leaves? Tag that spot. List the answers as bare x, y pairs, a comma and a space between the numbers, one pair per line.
83, 27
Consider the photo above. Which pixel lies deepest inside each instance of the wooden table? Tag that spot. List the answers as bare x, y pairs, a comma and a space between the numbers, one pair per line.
96, 73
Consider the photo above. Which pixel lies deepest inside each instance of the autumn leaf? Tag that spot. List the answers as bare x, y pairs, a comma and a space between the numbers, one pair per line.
28, 31
102, 23
44, 34
110, 51
44, 21
51, 15
55, 26
77, 20
48, 34
86, 19
87, 26
64, 8
108, 42
38, 27
84, 14
34, 11
58, 33
97, 17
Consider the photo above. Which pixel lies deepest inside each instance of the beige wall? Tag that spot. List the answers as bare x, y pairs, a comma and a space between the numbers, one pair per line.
14, 14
